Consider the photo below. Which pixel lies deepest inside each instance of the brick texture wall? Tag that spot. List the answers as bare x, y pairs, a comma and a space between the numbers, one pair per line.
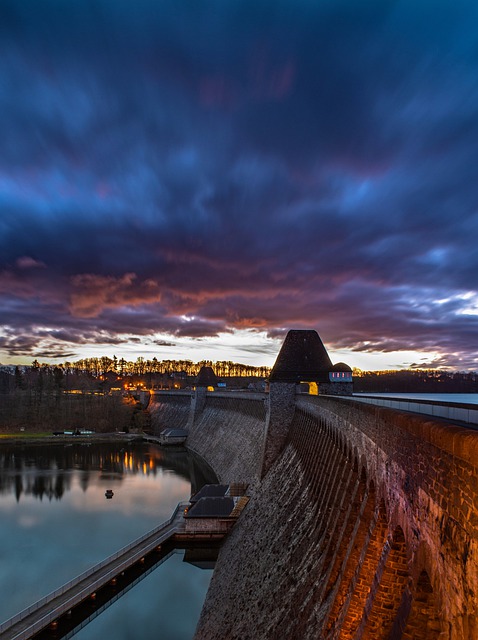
229, 433
169, 410
364, 526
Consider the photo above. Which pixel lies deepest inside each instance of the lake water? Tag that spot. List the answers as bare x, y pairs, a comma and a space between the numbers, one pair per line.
462, 398
56, 522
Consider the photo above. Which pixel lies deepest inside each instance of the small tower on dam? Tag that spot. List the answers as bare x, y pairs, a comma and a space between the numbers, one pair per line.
206, 378
302, 358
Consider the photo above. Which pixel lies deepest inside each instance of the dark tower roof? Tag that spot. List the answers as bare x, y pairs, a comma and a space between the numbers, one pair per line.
302, 358
341, 366
206, 378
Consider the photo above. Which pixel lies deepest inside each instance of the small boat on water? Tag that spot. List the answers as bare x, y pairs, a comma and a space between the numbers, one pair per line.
109, 494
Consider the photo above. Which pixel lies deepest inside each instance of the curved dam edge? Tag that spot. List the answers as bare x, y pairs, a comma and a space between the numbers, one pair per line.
363, 526
226, 430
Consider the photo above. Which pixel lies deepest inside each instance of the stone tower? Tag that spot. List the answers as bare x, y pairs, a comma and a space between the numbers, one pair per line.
302, 358
206, 378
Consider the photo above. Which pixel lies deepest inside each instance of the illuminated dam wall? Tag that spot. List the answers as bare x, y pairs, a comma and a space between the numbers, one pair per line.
364, 525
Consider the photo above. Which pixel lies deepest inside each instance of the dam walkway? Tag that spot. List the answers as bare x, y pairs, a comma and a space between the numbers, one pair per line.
61, 613
460, 413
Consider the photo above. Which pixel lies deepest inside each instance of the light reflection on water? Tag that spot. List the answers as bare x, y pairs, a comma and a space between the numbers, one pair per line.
57, 522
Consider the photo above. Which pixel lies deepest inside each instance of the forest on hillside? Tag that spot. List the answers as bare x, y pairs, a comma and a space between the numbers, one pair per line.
45, 399
97, 367
92, 373
100, 375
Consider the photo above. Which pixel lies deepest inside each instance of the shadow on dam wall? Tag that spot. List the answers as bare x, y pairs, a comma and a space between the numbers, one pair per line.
228, 432
363, 527
169, 409
362, 521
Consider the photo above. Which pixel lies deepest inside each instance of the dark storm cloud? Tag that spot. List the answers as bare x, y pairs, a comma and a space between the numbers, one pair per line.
191, 168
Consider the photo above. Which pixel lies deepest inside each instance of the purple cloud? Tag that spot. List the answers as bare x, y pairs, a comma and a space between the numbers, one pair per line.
191, 171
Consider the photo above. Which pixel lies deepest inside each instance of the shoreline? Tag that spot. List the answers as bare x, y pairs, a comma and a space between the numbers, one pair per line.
50, 438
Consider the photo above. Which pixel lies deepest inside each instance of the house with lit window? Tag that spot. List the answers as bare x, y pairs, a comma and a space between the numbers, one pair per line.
341, 372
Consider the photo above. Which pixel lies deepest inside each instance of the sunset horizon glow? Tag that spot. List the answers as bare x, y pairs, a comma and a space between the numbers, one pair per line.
256, 351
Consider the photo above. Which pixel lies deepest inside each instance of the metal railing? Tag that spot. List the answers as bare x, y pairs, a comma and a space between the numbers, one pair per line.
104, 578
143, 545
454, 412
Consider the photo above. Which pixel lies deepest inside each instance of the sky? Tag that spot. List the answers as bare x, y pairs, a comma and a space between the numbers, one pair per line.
192, 178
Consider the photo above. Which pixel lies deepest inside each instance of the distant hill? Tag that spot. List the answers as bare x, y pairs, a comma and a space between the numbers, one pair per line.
413, 381
7, 368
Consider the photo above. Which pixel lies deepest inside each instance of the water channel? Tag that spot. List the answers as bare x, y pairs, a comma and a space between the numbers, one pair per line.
56, 522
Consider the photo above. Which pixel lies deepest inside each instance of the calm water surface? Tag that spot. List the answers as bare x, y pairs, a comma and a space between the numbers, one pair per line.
464, 398
56, 523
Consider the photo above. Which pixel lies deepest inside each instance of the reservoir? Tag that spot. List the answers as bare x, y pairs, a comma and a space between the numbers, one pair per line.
57, 522
461, 398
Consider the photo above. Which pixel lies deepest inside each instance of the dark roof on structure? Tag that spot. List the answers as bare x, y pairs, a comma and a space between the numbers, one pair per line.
341, 366
209, 491
216, 507
302, 357
206, 377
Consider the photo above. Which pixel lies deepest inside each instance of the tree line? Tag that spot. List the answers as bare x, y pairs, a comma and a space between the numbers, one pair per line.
44, 398
141, 366
88, 375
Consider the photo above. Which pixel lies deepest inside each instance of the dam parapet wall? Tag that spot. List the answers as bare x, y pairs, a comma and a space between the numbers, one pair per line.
365, 526
229, 433
169, 409
226, 429
362, 522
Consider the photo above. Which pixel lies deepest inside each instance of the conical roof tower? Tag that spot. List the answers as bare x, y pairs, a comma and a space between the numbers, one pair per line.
302, 358
206, 377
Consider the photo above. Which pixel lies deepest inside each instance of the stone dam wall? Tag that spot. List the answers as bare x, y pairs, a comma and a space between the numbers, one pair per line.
169, 409
363, 527
227, 431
